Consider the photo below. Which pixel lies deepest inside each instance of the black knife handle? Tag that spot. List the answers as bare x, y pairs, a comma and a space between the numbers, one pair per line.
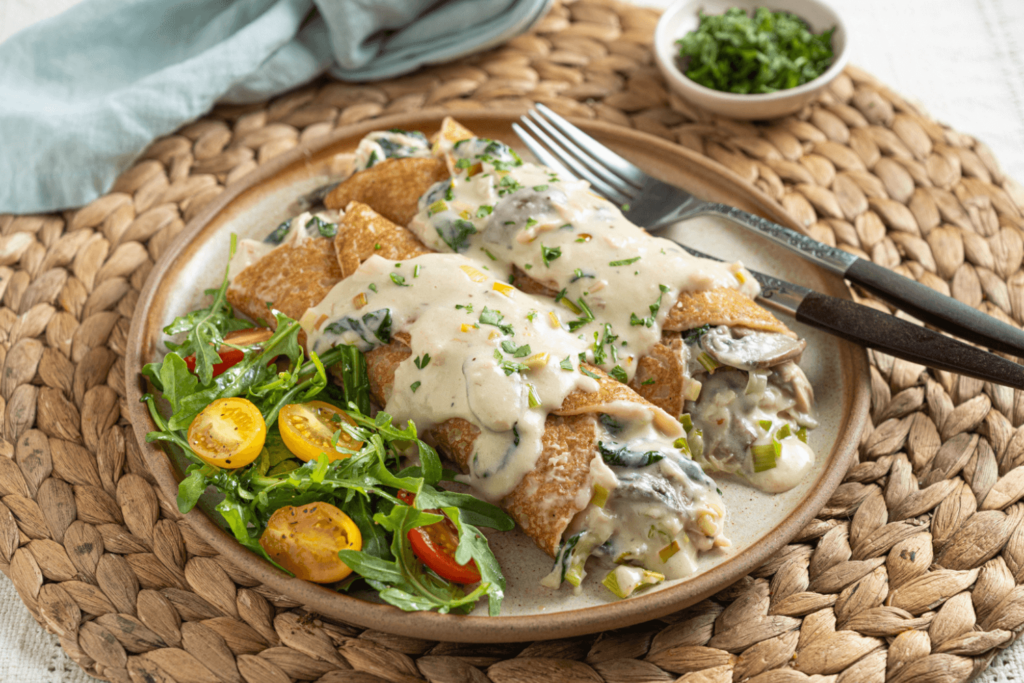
869, 327
932, 308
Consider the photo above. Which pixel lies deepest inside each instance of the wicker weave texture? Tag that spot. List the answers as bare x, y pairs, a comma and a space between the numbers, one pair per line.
914, 571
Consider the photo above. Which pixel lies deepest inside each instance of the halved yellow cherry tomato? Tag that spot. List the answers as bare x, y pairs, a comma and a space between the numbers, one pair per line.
305, 540
228, 433
307, 430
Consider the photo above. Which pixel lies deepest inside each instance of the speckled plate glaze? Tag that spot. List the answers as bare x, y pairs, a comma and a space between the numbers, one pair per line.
758, 523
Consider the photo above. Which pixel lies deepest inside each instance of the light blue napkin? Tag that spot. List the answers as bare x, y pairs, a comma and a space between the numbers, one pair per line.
83, 94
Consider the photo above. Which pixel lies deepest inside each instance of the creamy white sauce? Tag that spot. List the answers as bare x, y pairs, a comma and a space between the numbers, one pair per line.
649, 504
616, 280
390, 144
476, 370
492, 355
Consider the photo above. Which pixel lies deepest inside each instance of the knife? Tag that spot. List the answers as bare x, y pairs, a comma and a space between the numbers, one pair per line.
920, 301
869, 327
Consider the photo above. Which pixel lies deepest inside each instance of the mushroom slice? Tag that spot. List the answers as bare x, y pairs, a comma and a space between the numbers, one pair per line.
750, 349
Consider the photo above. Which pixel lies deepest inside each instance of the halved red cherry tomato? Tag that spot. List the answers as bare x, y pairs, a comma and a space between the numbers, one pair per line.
230, 356
435, 546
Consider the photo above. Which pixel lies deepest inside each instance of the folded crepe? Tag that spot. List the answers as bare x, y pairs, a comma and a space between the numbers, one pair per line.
712, 324
557, 501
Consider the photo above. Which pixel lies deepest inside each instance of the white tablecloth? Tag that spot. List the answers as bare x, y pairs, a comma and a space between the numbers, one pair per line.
964, 59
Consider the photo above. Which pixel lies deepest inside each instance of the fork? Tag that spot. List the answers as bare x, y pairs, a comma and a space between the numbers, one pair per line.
623, 183
655, 205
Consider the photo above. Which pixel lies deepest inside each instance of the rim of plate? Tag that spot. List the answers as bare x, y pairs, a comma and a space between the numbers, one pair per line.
462, 628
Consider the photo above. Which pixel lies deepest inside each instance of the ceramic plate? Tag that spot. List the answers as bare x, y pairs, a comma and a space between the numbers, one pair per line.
758, 523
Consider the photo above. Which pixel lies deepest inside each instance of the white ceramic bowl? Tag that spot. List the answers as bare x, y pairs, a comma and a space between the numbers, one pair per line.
682, 17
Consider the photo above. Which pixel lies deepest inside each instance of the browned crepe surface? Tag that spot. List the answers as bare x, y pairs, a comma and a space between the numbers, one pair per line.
290, 279
392, 187
362, 233
721, 306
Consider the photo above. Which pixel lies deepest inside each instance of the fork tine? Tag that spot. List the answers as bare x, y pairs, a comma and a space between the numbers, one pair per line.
576, 169
595, 148
543, 155
593, 164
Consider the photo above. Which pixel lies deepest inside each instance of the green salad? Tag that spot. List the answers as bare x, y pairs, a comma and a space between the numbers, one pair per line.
769, 51
310, 478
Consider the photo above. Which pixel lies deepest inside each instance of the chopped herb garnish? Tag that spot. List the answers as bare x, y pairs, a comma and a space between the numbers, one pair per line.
510, 347
586, 316
372, 286
769, 51
549, 254
399, 280
416, 271
649, 380
578, 274
422, 362
625, 207
376, 247
539, 188
484, 211
489, 254
508, 185
566, 364
415, 385
531, 316
588, 373
636, 320
467, 307
463, 163
491, 317
508, 366
619, 373
625, 262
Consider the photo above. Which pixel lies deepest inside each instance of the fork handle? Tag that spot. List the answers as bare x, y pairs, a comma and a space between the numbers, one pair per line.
869, 327
920, 301
930, 307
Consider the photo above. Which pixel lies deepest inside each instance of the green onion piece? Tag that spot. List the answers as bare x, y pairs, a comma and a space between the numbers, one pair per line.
707, 524
683, 445
668, 551
600, 497
686, 421
611, 582
783, 432
532, 396
766, 425
623, 583
757, 383
691, 389
437, 207
575, 573
709, 363
764, 457
802, 434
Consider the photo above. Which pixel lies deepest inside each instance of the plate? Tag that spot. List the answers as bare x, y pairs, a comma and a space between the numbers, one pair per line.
759, 524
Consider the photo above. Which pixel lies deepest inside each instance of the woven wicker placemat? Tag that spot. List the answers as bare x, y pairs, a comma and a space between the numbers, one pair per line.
914, 571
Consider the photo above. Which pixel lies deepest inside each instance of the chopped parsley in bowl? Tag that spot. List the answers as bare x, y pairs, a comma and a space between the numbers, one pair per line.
750, 59
769, 51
